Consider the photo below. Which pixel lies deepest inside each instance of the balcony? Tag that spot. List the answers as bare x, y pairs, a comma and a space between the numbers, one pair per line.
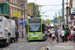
4, 9
4, 1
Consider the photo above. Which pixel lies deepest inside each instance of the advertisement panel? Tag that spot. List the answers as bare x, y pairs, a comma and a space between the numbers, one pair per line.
17, 14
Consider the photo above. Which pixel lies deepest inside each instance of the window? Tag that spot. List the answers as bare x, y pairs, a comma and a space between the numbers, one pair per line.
15, 1
11, 0
11, 13
25, 6
35, 28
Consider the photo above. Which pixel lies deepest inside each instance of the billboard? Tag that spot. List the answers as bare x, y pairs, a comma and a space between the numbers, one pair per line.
22, 22
17, 14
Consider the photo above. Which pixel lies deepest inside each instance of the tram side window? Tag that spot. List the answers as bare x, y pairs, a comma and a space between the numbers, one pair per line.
43, 28
26, 28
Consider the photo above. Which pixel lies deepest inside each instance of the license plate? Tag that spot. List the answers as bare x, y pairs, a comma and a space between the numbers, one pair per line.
34, 34
0, 37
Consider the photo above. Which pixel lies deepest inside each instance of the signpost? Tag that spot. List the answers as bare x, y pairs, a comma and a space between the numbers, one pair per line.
17, 14
72, 11
55, 20
22, 22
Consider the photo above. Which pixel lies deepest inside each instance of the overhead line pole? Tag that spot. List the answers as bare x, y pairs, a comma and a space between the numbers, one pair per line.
63, 11
34, 9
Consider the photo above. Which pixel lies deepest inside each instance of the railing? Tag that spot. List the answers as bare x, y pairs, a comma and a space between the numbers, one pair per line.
4, 11
3, 1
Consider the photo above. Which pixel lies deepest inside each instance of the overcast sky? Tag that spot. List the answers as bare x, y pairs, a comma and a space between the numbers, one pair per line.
49, 10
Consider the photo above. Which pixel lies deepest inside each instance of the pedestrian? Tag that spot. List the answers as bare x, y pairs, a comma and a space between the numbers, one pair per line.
56, 33
53, 35
63, 35
72, 34
46, 34
59, 34
50, 33
17, 35
68, 31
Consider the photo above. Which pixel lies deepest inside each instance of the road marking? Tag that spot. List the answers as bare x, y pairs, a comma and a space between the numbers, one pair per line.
43, 48
21, 46
35, 46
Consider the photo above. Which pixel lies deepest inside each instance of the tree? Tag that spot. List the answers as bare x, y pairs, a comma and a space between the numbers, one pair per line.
36, 9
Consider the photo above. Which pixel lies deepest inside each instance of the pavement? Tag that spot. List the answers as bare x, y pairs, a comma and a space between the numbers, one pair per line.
61, 46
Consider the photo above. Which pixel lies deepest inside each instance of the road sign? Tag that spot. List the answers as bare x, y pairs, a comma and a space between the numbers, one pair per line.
72, 11
72, 17
22, 22
17, 14
55, 20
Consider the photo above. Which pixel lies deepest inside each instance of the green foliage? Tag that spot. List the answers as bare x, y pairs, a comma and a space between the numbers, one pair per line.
48, 21
36, 9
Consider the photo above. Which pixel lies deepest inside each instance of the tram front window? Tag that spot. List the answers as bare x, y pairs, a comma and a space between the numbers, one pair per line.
34, 28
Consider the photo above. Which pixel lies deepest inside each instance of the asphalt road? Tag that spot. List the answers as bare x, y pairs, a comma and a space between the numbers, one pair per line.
24, 45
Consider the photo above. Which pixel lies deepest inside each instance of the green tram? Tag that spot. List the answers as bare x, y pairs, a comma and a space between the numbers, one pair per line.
35, 29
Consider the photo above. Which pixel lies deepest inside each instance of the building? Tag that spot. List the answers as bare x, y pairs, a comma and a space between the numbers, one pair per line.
72, 21
30, 10
8, 6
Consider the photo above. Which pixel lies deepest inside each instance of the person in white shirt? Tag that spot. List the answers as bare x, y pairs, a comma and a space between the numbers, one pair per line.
63, 35
53, 35
59, 33
46, 33
50, 33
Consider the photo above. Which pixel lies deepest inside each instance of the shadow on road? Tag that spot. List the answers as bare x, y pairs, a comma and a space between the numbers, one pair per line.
37, 40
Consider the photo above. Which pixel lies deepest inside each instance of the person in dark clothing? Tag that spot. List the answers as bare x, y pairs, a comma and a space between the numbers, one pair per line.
17, 35
65, 35
56, 33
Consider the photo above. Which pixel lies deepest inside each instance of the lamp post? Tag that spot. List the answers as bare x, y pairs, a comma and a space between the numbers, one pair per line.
63, 11
23, 4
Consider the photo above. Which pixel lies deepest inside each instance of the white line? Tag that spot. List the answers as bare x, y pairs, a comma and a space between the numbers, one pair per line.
20, 47
35, 46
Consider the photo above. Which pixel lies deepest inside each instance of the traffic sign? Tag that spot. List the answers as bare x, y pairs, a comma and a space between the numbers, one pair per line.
24, 22
17, 14
72, 11
55, 20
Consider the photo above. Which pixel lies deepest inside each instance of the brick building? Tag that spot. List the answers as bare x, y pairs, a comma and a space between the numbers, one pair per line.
8, 6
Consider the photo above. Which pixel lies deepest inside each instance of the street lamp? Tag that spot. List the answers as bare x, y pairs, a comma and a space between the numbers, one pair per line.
23, 4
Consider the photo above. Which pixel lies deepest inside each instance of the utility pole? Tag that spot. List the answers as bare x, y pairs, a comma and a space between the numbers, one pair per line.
63, 11
38, 14
67, 13
34, 9
54, 23
59, 20
24, 18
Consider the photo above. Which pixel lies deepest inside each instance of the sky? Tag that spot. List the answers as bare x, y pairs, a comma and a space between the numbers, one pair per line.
48, 12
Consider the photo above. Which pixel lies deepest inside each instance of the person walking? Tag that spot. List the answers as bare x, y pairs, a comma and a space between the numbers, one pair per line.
50, 33
56, 33
72, 34
17, 36
63, 35
53, 35
46, 34
68, 31
59, 34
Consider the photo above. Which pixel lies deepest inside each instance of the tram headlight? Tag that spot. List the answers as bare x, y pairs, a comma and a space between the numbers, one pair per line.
40, 35
29, 35
43, 34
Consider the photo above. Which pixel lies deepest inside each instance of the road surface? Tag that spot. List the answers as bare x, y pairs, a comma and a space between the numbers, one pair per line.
24, 45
